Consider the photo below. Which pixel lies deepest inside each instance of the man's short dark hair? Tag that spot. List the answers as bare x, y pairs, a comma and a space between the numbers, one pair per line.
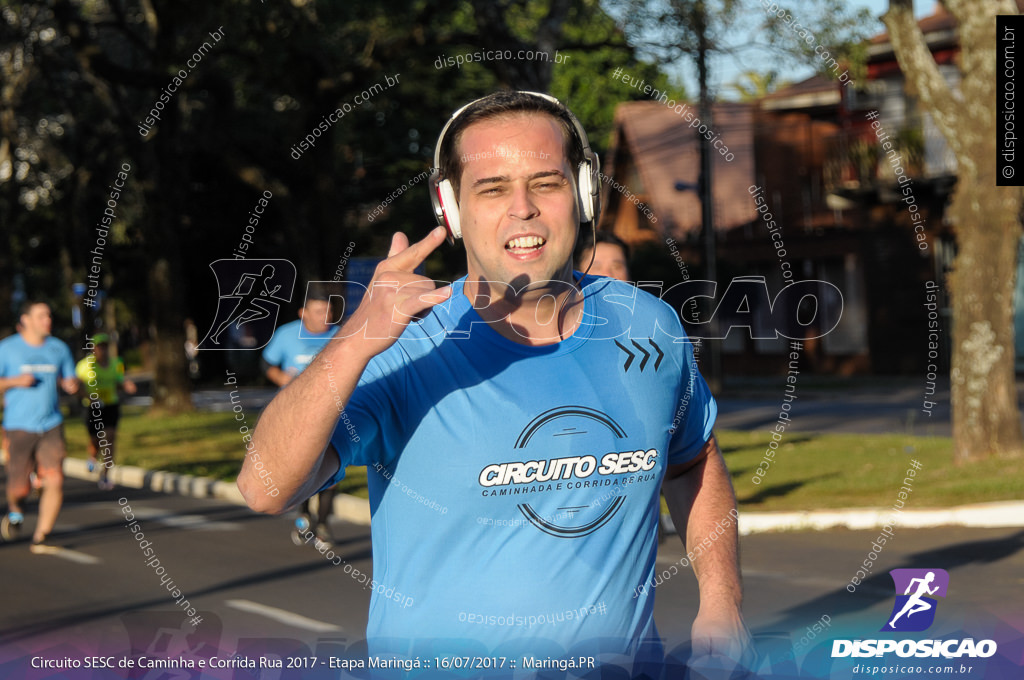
317, 291
29, 304
498, 105
601, 237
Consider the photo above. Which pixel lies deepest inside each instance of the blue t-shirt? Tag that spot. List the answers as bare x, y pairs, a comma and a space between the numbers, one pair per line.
292, 353
514, 490
36, 408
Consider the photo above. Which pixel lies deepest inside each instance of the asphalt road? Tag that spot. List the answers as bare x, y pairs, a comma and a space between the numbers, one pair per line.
255, 590
259, 594
878, 406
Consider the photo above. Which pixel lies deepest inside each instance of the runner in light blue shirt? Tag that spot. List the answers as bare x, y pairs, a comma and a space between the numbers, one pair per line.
286, 355
32, 366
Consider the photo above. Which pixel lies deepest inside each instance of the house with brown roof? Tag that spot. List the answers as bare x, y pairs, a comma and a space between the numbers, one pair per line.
651, 196
655, 155
827, 163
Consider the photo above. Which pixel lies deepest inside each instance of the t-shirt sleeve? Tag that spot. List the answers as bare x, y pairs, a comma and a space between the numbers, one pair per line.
696, 412
67, 362
273, 353
368, 430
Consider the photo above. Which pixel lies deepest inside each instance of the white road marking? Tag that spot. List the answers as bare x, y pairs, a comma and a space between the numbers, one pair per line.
193, 522
67, 554
283, 616
159, 516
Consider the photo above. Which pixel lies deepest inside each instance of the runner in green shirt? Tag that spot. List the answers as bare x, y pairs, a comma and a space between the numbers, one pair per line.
101, 376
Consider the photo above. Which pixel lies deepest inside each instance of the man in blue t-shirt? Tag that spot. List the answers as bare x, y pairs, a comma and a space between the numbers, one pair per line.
32, 365
517, 425
286, 355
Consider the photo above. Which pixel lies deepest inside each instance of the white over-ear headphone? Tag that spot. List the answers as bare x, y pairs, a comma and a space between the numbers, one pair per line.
588, 184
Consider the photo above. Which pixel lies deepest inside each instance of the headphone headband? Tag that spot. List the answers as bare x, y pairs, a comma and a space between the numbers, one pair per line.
442, 196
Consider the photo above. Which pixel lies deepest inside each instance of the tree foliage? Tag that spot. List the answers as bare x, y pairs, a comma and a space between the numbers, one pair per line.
80, 77
784, 34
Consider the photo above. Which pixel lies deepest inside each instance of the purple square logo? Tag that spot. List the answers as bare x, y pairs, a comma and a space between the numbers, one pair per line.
916, 590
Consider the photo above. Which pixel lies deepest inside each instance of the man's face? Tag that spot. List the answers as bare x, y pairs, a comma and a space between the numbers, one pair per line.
37, 320
517, 200
314, 316
609, 260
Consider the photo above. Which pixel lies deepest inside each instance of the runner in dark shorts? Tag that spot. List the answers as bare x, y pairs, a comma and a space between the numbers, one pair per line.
102, 378
33, 365
28, 452
107, 416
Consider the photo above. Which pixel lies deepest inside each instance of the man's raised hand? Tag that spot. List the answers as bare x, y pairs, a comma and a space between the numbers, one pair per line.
396, 294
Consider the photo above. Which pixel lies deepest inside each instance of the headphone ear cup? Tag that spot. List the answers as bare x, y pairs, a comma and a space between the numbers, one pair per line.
449, 209
585, 188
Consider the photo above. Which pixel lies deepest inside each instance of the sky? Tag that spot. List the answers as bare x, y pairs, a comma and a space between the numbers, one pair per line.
726, 70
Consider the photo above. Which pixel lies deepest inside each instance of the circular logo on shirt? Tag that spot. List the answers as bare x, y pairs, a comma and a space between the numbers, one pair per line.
587, 434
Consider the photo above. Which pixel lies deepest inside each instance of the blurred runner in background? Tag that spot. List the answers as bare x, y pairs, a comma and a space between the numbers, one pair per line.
32, 364
101, 376
287, 354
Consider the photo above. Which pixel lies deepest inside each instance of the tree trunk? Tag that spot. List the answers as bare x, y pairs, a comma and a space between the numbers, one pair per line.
986, 418
986, 222
168, 198
171, 389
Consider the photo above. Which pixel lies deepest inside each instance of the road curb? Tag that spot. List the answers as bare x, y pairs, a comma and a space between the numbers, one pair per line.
994, 515
999, 514
346, 507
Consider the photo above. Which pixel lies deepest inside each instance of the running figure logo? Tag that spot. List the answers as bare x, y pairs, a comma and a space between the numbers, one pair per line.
246, 316
914, 611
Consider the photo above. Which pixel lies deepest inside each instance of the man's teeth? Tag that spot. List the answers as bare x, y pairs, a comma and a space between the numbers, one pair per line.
525, 242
